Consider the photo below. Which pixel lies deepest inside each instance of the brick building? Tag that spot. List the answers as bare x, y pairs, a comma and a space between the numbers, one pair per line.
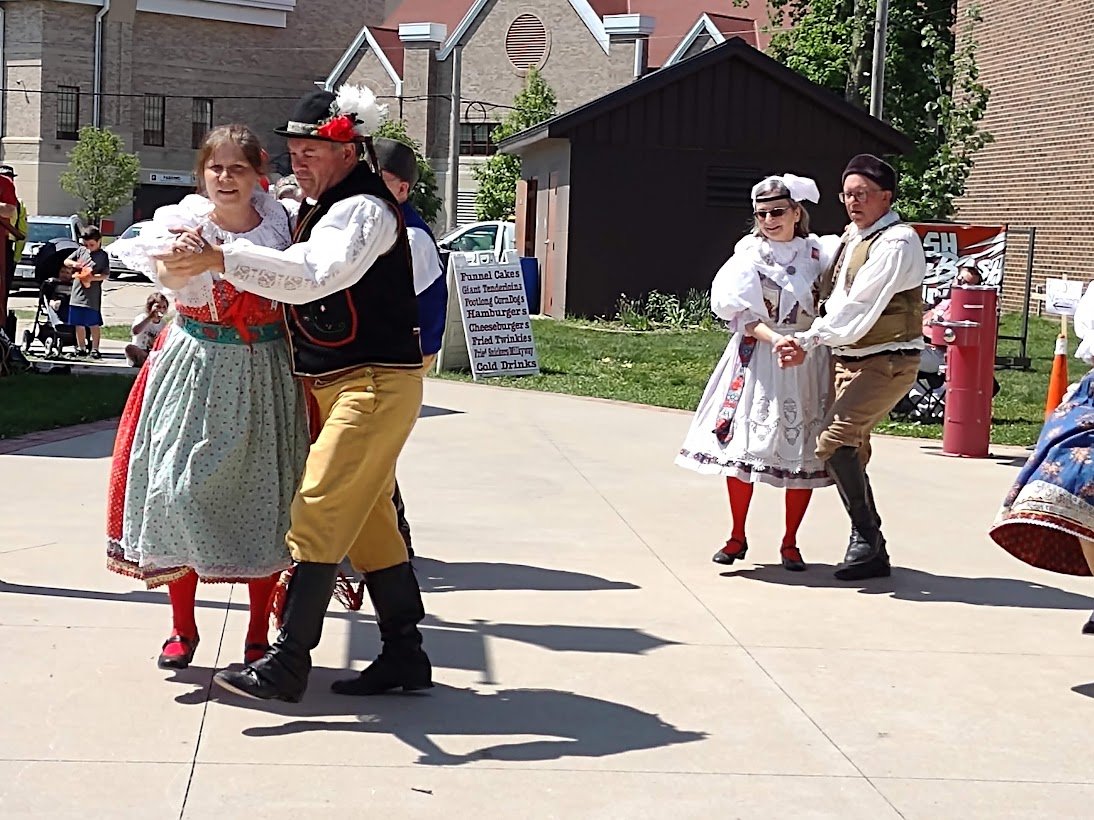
1036, 172
168, 70
583, 48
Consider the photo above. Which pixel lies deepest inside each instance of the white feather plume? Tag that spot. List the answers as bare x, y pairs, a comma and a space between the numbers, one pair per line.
361, 101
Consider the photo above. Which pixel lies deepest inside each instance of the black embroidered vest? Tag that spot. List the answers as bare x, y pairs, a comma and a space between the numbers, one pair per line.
372, 322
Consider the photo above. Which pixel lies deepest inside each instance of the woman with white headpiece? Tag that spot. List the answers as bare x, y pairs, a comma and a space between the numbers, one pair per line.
758, 422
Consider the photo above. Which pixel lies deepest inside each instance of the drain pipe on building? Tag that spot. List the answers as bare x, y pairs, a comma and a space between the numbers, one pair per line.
3, 65
97, 104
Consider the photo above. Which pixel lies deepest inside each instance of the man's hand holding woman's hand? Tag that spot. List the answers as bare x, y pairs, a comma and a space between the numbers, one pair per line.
789, 351
191, 255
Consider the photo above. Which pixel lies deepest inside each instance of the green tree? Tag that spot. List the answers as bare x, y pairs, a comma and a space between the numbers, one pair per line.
498, 176
423, 196
932, 88
101, 174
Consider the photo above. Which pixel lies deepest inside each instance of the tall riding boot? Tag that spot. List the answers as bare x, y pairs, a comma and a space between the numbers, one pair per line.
282, 673
866, 556
402, 663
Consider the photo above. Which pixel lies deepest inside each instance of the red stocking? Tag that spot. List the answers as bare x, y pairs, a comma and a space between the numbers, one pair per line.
182, 594
797, 501
258, 629
740, 495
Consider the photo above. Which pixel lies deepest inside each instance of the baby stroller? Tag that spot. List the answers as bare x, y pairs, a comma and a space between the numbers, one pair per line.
50, 328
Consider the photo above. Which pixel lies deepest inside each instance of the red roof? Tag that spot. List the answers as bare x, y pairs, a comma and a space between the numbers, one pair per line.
673, 20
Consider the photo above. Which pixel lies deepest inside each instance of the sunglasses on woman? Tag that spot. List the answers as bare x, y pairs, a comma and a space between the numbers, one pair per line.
774, 212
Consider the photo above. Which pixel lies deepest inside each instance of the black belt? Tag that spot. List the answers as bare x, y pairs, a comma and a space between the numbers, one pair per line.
847, 359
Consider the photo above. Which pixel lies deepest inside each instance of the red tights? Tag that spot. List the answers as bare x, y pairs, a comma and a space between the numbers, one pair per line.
183, 594
740, 496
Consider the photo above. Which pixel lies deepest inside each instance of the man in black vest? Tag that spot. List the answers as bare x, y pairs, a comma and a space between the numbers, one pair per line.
353, 324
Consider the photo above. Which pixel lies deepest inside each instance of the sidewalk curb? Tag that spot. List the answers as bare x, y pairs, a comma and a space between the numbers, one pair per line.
14, 445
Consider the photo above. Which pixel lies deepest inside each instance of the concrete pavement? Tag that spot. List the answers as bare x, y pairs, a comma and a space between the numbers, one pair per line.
591, 662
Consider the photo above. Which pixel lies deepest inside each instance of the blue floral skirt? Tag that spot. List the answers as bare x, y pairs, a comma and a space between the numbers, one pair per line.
1051, 505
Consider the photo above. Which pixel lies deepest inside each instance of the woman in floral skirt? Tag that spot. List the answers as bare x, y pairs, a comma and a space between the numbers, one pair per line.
213, 438
1047, 518
757, 421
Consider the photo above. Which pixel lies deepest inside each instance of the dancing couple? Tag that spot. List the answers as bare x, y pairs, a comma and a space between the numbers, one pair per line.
798, 308
213, 479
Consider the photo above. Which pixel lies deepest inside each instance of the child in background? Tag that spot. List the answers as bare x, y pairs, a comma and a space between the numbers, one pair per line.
146, 327
91, 267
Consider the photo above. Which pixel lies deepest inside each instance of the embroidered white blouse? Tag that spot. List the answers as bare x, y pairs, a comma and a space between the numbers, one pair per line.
896, 263
344, 243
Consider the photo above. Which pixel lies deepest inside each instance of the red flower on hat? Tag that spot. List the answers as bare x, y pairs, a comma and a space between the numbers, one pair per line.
338, 129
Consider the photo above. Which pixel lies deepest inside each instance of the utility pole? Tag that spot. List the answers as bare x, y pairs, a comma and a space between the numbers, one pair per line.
877, 76
454, 138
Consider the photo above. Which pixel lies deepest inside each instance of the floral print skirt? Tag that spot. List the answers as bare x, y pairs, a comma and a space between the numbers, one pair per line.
1051, 505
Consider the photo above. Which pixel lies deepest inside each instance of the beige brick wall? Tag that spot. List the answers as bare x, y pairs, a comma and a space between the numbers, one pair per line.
1039, 67
52, 43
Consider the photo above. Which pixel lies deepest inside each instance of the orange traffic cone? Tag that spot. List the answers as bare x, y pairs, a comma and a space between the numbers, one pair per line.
1057, 383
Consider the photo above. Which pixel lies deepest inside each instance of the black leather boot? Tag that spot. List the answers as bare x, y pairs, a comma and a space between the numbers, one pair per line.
282, 673
402, 663
866, 554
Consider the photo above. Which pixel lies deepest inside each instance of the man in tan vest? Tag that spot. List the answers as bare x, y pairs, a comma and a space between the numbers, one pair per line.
872, 312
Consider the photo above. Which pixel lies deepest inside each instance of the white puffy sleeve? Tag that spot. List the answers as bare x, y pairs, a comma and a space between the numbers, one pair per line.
156, 238
735, 294
344, 244
1084, 325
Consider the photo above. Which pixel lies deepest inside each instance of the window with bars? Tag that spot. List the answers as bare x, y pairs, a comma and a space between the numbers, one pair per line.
68, 112
154, 105
475, 139
202, 119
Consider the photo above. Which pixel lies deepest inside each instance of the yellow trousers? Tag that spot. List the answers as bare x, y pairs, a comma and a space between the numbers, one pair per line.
344, 504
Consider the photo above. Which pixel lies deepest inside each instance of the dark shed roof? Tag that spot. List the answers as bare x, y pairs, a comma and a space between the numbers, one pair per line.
734, 49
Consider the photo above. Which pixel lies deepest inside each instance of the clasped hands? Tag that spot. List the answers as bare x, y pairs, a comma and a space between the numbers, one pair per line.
789, 351
191, 255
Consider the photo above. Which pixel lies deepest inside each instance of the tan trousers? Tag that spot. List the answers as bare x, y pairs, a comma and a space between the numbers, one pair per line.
866, 392
344, 504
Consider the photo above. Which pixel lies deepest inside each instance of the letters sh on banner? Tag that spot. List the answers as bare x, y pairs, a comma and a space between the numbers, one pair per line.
949, 248
497, 330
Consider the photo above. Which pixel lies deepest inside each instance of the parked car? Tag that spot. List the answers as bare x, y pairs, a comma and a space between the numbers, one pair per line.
117, 266
41, 229
496, 236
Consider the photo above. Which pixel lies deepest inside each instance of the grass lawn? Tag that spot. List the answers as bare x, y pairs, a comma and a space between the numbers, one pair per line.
33, 402
670, 369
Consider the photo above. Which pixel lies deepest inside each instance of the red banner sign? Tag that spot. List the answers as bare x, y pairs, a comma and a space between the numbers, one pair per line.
951, 248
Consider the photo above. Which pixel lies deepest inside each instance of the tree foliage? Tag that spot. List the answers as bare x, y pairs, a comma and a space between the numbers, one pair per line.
932, 88
498, 176
101, 174
423, 196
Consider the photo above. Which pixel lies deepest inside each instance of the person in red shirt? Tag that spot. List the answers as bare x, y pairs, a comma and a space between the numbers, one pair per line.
9, 210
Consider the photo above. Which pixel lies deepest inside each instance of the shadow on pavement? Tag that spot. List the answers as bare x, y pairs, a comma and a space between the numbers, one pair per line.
565, 725
917, 585
452, 576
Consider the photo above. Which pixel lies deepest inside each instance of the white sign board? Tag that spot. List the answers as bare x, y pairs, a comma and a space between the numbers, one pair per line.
1062, 296
180, 178
496, 337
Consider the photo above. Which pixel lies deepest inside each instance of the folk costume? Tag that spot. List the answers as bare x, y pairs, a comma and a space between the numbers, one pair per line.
353, 325
212, 440
758, 422
1050, 508
872, 314
430, 283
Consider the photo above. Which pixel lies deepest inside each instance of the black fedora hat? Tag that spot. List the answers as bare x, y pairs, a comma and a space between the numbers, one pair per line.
314, 118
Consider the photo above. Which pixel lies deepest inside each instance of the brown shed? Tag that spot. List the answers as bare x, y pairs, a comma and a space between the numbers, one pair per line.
647, 188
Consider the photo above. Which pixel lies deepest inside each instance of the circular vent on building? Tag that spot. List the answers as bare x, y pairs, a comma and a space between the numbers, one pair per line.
526, 42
